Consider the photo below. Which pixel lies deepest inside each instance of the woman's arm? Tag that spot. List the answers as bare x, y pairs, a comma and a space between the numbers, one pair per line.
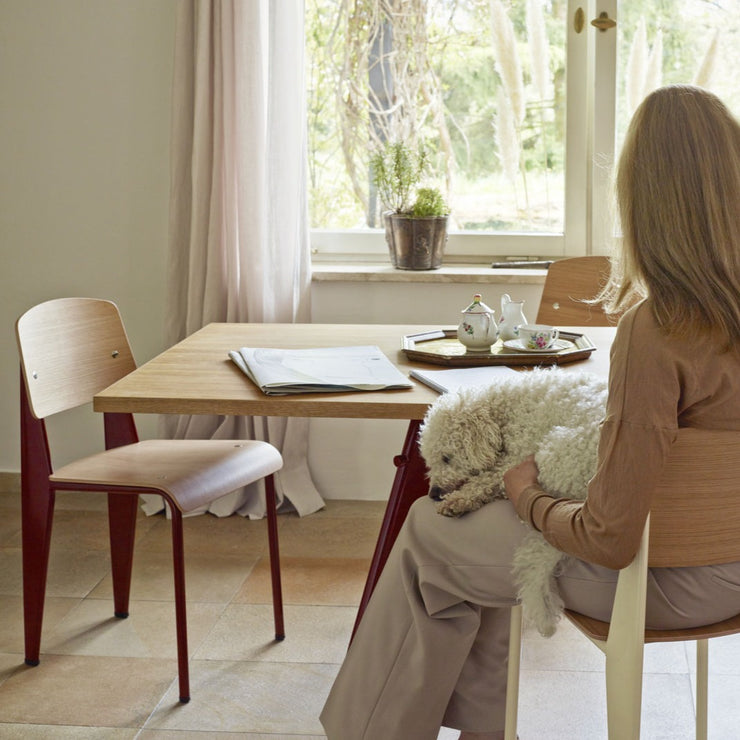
639, 428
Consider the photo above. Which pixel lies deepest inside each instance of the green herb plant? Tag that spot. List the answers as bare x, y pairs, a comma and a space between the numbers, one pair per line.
429, 202
397, 171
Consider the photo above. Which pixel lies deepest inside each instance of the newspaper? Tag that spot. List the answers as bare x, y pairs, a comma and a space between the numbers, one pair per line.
319, 370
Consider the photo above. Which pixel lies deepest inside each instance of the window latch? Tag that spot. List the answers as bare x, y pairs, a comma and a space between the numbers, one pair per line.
603, 22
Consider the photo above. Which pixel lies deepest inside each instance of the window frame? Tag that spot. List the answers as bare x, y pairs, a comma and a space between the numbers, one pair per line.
590, 128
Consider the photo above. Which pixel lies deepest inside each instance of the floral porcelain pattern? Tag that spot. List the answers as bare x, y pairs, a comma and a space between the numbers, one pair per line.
478, 329
539, 340
512, 317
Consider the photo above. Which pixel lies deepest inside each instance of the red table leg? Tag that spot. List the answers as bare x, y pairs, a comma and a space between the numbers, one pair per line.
120, 430
409, 484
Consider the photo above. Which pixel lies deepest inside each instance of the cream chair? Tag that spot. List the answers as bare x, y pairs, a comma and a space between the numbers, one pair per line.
568, 284
70, 349
694, 520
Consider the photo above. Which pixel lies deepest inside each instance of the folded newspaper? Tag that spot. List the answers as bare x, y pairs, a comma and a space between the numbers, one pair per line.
319, 370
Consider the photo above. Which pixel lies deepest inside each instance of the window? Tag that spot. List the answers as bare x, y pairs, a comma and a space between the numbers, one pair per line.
521, 108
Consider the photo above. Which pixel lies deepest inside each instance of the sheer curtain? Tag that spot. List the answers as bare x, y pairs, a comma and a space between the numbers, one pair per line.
238, 245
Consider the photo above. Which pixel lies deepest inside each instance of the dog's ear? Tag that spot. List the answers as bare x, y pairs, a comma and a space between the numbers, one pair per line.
485, 440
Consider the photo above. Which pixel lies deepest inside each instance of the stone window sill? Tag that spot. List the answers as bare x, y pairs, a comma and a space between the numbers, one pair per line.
384, 273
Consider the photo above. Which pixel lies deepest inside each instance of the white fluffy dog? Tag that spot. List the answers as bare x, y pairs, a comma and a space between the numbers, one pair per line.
470, 438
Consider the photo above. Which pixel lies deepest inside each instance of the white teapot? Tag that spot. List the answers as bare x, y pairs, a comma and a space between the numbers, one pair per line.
478, 329
512, 317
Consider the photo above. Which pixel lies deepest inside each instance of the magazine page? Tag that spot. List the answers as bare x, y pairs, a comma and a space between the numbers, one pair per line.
321, 369
448, 381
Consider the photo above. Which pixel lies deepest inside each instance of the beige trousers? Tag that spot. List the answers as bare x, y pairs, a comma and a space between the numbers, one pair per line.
432, 646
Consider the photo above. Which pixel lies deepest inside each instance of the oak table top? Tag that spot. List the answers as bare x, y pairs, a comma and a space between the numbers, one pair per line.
196, 376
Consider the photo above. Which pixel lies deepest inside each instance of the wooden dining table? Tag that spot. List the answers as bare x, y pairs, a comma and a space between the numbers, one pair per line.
196, 376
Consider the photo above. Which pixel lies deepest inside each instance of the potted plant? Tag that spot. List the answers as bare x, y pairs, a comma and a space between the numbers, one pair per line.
415, 230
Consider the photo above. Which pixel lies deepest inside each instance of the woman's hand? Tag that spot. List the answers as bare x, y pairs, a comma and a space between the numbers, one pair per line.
519, 478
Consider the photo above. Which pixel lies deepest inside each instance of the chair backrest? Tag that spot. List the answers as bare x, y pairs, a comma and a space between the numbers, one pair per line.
568, 284
70, 349
695, 509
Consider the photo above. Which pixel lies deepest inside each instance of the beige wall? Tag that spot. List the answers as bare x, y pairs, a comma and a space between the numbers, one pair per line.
84, 136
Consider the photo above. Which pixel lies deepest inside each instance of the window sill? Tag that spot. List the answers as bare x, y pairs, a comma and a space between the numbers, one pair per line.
384, 273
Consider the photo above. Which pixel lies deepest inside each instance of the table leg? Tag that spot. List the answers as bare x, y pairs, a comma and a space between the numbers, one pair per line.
120, 430
409, 484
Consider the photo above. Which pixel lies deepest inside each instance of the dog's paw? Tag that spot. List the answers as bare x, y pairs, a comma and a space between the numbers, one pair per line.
455, 504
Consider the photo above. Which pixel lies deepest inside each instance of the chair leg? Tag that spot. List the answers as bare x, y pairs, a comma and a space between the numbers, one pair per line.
36, 519
122, 510
178, 560
272, 536
37, 511
623, 695
702, 688
512, 678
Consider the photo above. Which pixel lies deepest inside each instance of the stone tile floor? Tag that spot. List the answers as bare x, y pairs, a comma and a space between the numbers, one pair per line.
101, 677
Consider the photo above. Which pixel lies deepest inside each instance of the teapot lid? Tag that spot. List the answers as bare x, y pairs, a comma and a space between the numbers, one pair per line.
477, 306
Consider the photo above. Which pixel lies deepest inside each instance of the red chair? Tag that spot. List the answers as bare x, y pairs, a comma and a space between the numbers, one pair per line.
70, 349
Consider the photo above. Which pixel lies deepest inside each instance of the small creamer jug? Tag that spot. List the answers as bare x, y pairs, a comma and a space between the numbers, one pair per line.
512, 317
478, 329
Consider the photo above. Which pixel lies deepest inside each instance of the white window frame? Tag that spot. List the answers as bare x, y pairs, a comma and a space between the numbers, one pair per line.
590, 128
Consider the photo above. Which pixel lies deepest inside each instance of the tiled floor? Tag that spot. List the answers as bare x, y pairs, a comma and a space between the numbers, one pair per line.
101, 677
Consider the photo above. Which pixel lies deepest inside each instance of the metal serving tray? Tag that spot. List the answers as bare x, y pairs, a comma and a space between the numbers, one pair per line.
442, 347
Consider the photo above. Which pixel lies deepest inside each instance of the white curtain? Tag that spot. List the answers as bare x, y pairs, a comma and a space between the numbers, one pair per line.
238, 241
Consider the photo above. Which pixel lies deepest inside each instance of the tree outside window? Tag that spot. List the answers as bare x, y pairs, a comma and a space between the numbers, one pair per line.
484, 84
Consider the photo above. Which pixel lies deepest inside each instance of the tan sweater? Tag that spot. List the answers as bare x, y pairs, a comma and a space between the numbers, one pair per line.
656, 385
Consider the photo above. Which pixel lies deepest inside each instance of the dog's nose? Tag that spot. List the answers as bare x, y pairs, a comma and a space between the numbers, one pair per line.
436, 493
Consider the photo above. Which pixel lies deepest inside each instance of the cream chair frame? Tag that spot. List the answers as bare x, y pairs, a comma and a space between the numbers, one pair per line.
703, 466
70, 349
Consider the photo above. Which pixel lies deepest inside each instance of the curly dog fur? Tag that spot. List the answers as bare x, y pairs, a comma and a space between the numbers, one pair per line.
469, 439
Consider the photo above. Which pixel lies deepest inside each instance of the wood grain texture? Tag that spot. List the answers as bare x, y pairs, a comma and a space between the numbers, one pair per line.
196, 376
568, 284
694, 520
80, 338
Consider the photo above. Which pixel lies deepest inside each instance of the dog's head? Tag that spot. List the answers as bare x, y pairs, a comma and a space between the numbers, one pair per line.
459, 439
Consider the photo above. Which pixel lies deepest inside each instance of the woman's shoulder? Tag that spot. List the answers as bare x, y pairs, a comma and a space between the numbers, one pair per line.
639, 335
639, 326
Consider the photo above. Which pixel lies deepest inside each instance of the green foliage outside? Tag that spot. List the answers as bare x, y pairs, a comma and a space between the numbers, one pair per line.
496, 173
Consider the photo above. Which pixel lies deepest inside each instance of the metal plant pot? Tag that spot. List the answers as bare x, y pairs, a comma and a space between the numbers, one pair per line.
415, 243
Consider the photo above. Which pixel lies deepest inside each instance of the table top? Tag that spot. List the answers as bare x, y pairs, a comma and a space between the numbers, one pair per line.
196, 376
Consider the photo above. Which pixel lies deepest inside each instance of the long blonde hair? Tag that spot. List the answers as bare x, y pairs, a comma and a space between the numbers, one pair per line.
678, 198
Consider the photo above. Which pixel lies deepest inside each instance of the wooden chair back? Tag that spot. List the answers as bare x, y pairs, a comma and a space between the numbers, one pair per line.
695, 509
71, 348
694, 520
568, 284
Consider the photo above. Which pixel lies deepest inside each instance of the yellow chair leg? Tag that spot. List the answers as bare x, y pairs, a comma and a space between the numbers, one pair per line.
702, 688
512, 679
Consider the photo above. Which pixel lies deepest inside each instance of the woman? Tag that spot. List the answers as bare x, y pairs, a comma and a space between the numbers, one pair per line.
431, 648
